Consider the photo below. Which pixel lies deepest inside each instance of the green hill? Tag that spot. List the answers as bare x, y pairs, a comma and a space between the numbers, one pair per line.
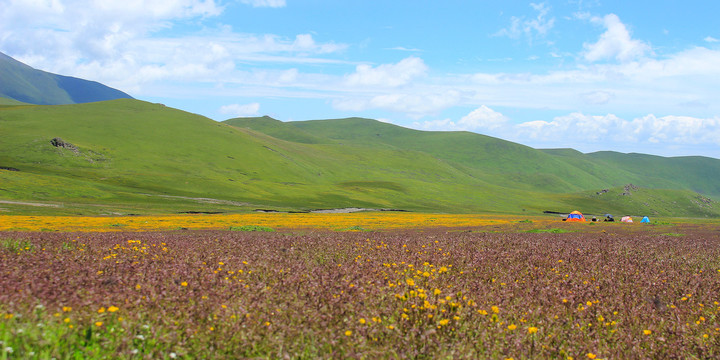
128, 156
26, 84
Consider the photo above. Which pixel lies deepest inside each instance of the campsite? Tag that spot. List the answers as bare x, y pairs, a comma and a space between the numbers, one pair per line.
577, 216
321, 287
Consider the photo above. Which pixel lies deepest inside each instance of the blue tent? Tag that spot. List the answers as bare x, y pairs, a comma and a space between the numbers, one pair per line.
645, 220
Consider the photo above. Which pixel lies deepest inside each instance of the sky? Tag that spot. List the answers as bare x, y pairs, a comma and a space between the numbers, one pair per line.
593, 75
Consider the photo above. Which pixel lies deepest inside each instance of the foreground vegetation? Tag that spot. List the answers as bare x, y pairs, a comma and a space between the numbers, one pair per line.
616, 292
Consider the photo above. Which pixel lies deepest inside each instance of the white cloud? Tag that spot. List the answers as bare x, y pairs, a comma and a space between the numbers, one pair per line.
118, 42
611, 131
388, 75
615, 43
413, 104
590, 132
711, 39
437, 125
482, 118
598, 97
530, 28
238, 110
264, 3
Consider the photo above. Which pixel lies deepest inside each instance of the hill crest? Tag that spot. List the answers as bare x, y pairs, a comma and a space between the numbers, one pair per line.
26, 84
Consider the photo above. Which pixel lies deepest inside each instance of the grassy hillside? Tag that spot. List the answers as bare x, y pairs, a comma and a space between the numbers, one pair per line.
502, 162
125, 153
128, 156
695, 173
484, 158
26, 84
6, 101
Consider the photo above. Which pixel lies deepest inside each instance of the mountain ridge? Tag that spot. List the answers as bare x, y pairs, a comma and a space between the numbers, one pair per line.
26, 84
129, 156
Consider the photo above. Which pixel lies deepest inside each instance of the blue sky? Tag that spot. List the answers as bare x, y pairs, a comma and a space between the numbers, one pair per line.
629, 76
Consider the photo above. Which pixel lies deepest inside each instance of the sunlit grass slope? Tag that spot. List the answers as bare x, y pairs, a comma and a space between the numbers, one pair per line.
696, 173
132, 156
502, 162
128, 156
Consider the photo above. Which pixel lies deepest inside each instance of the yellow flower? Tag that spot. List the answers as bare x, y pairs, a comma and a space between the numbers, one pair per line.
532, 330
348, 333
184, 283
512, 327
113, 309
362, 321
99, 323
101, 310
444, 322
591, 355
647, 332
410, 282
482, 312
495, 309
67, 320
436, 292
66, 309
137, 287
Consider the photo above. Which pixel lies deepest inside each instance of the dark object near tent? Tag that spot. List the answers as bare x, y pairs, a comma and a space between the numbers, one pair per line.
609, 217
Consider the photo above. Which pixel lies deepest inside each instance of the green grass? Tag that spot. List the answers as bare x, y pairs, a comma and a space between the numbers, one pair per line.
16, 246
135, 157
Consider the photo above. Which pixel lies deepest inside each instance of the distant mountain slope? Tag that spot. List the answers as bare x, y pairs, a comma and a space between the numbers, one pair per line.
502, 162
695, 173
128, 156
26, 84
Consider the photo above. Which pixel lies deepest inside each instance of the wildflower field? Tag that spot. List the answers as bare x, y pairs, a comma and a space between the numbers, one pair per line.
494, 289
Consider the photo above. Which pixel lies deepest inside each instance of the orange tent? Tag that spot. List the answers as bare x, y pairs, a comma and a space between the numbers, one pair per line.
576, 216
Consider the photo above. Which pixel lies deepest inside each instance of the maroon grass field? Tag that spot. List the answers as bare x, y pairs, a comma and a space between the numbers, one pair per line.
615, 293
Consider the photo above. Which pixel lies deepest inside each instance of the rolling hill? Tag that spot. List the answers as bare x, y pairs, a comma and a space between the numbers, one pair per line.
128, 156
25, 84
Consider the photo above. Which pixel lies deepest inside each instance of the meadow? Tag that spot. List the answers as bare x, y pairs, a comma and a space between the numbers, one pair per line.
496, 288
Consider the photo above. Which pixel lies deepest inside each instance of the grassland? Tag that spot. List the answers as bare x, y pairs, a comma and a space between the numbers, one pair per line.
132, 157
517, 289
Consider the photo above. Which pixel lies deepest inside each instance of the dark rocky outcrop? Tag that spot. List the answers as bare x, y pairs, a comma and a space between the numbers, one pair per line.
60, 143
